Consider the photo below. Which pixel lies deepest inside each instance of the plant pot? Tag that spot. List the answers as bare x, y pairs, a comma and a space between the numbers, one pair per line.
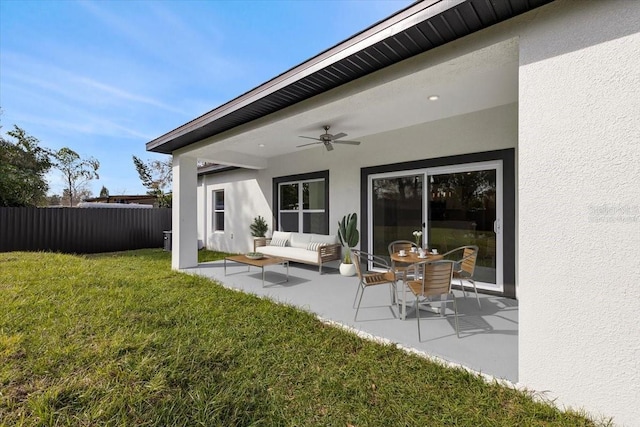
347, 269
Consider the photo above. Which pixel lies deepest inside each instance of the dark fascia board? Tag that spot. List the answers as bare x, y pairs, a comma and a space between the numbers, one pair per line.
253, 104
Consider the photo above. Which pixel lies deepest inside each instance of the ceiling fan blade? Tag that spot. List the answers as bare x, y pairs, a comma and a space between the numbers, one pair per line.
329, 146
339, 135
308, 137
304, 145
347, 142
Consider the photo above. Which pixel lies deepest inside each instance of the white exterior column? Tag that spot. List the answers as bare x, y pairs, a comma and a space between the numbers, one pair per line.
184, 252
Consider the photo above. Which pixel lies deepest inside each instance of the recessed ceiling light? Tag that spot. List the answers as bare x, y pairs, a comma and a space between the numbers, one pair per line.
261, 145
434, 98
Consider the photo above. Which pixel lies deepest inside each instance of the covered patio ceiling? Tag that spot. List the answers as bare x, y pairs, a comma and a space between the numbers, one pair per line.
393, 98
423, 27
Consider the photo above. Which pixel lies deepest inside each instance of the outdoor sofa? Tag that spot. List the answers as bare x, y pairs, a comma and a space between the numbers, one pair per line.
306, 248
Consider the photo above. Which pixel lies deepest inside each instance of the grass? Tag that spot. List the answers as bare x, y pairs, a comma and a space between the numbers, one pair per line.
120, 339
443, 239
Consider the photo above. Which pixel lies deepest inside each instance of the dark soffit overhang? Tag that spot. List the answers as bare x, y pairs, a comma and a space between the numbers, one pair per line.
418, 28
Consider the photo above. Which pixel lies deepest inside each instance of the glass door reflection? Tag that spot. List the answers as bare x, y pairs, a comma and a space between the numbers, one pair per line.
463, 211
397, 210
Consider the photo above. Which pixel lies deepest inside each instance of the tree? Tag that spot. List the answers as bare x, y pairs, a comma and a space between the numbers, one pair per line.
76, 171
81, 194
156, 176
23, 165
104, 192
54, 200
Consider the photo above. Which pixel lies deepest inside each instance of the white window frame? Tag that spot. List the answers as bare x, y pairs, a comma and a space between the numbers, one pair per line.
455, 168
300, 210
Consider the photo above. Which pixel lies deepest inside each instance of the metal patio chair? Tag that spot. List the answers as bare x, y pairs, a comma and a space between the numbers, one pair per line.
395, 246
432, 279
371, 278
465, 258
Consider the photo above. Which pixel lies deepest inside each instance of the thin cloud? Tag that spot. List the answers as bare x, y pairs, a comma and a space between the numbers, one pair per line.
172, 42
17, 68
85, 124
120, 27
122, 94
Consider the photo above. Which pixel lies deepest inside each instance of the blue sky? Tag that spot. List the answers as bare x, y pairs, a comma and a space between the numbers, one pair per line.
105, 77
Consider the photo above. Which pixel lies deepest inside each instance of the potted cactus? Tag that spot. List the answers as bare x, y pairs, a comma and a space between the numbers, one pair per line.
349, 237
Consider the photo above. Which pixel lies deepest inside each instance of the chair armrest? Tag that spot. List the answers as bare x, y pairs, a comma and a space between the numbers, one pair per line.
458, 262
376, 260
452, 251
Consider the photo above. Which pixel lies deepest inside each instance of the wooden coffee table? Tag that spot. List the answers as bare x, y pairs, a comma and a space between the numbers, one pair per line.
260, 263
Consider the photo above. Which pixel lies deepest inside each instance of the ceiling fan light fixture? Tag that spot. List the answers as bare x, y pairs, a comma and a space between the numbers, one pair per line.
328, 139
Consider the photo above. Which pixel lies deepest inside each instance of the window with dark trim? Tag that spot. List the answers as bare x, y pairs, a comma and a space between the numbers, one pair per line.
301, 202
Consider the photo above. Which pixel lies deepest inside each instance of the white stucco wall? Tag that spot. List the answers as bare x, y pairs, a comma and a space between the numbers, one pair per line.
247, 194
579, 213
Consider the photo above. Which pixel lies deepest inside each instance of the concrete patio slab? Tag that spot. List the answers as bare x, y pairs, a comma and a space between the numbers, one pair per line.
488, 340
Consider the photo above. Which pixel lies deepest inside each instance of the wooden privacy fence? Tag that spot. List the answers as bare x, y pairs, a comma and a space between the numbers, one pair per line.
82, 230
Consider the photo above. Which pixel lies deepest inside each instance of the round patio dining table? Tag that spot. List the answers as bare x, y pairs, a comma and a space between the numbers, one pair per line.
404, 261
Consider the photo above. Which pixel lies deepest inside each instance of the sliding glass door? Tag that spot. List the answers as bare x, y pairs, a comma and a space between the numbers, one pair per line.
453, 205
465, 208
397, 209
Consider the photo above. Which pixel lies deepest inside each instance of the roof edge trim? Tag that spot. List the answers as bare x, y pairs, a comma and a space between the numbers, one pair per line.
381, 30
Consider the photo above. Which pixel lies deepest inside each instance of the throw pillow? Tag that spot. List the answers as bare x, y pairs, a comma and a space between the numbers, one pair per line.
278, 242
313, 246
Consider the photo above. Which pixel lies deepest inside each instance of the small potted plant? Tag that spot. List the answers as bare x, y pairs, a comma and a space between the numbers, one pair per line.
349, 237
259, 227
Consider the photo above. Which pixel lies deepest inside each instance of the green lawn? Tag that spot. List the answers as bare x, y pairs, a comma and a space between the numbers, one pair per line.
120, 339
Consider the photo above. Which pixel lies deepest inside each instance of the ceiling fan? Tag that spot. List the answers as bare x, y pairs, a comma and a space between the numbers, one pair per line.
328, 140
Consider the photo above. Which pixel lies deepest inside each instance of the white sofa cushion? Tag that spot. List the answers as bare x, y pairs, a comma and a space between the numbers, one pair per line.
300, 240
322, 238
290, 253
281, 235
